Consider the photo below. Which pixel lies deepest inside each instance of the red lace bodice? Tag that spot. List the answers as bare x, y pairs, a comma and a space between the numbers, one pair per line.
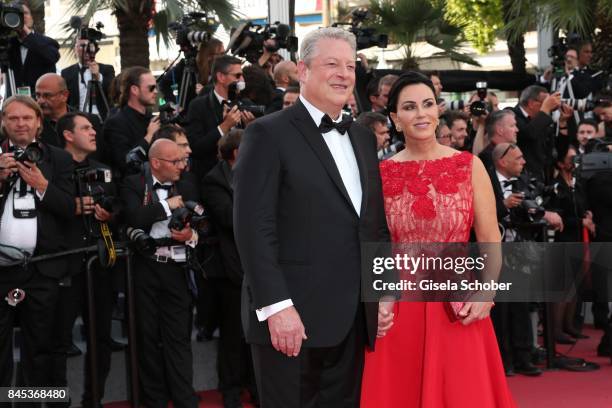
429, 200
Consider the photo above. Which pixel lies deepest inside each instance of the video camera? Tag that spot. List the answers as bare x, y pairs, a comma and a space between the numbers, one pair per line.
365, 36
187, 37
92, 36
233, 99
87, 176
247, 40
597, 158
557, 52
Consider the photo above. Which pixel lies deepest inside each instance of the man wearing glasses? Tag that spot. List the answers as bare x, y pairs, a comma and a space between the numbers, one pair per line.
163, 287
133, 125
209, 117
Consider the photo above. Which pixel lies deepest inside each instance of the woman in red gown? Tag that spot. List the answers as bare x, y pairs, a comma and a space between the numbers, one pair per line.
434, 193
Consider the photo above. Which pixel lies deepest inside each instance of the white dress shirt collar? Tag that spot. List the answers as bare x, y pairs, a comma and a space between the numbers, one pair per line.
315, 113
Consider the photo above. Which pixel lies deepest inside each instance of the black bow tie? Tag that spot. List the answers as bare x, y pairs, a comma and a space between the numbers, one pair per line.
509, 182
328, 124
158, 186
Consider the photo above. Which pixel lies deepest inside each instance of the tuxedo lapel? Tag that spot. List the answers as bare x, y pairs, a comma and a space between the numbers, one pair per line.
363, 171
306, 126
73, 85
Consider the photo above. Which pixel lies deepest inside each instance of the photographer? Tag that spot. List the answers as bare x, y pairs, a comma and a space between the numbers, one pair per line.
31, 54
87, 69
500, 127
133, 125
163, 285
258, 93
94, 206
603, 110
285, 76
208, 118
36, 202
457, 123
290, 96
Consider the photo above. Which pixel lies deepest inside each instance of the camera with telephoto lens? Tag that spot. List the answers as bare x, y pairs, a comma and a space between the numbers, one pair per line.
91, 36
193, 29
88, 176
233, 99
135, 160
584, 105
480, 107
11, 20
531, 210
193, 214
366, 37
143, 242
248, 40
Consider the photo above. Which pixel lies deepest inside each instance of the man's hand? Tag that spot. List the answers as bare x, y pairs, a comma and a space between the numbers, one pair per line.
364, 60
566, 113
287, 331
246, 117
385, 317
84, 205
588, 223
513, 200
231, 117
175, 202
33, 177
548, 74
198, 88
24, 32
8, 166
474, 311
182, 235
101, 214
551, 103
554, 220
94, 68
153, 127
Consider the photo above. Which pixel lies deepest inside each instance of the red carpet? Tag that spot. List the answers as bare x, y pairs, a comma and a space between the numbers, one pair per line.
553, 389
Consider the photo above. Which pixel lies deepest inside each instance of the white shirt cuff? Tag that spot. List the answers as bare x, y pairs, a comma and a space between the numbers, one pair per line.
193, 241
220, 131
41, 195
267, 311
164, 204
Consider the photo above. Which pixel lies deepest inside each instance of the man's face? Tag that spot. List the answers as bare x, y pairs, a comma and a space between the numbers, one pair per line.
533, 106
79, 47
233, 74
169, 165
458, 133
28, 21
585, 133
329, 79
289, 99
51, 98
604, 113
571, 60
83, 135
513, 162
507, 129
20, 124
585, 55
383, 98
382, 134
147, 90
435, 80
293, 73
183, 144
444, 137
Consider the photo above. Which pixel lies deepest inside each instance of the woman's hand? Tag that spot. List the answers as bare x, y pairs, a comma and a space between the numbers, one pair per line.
474, 311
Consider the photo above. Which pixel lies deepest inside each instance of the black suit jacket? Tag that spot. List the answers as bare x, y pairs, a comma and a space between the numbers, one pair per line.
43, 53
298, 234
536, 140
218, 197
124, 131
599, 196
73, 78
205, 113
56, 208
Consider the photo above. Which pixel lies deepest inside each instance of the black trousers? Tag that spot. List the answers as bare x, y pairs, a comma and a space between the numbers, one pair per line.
514, 332
234, 363
327, 377
163, 319
35, 313
72, 303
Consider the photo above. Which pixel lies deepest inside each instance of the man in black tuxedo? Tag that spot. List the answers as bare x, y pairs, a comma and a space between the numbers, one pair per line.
133, 125
163, 285
500, 127
31, 54
77, 78
307, 192
207, 118
285, 76
37, 200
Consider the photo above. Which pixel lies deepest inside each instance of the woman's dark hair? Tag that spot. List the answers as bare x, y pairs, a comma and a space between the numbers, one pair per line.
258, 87
406, 79
204, 59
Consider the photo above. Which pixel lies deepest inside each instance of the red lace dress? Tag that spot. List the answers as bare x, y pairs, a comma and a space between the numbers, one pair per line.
426, 360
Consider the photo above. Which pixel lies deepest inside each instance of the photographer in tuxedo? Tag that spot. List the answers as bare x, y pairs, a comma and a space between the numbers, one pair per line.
163, 287
37, 201
307, 192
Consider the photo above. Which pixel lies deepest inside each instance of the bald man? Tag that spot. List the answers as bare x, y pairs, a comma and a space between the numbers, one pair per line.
285, 76
163, 287
52, 97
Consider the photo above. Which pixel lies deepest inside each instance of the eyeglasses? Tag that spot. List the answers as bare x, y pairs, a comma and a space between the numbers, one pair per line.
510, 147
175, 163
151, 88
236, 75
47, 95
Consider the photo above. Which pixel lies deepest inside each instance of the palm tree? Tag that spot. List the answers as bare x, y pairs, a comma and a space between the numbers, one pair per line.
589, 18
409, 21
136, 17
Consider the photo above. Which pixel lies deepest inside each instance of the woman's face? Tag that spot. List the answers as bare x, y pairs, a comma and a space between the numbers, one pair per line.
417, 112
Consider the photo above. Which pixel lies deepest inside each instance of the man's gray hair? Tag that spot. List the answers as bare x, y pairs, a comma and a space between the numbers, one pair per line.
531, 93
308, 49
493, 119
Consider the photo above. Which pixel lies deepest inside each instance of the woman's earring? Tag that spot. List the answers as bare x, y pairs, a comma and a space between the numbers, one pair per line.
399, 128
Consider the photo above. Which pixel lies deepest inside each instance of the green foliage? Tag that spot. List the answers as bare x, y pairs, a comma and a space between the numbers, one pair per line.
481, 20
409, 21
